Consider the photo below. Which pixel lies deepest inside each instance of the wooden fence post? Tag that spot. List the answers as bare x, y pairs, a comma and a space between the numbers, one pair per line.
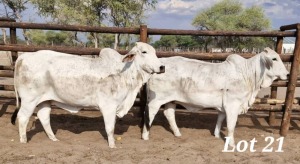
272, 115
12, 35
13, 40
8, 87
285, 123
143, 92
143, 33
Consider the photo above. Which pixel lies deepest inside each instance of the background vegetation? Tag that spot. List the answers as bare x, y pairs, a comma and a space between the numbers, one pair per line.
227, 15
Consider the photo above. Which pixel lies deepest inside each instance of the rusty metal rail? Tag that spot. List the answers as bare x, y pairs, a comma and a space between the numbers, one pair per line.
43, 26
221, 33
95, 51
150, 31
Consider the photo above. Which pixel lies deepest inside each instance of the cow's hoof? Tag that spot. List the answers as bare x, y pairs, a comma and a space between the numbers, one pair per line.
23, 140
54, 139
177, 134
112, 146
145, 137
217, 136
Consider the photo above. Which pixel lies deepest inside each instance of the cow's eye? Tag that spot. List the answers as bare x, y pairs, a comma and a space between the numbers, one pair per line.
144, 52
274, 59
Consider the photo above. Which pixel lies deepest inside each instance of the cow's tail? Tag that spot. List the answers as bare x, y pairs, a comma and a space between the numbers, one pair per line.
224, 98
14, 115
145, 110
146, 117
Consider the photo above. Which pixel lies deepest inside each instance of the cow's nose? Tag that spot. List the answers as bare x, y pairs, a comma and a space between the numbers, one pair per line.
162, 69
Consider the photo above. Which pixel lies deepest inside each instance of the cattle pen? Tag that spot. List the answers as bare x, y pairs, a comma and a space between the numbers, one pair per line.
269, 104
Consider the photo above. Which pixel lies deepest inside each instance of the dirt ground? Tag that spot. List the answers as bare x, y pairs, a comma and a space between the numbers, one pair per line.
83, 139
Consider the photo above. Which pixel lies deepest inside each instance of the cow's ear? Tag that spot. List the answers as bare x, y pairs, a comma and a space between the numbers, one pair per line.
267, 61
128, 58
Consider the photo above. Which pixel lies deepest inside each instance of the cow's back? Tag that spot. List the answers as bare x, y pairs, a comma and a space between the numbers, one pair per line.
195, 82
184, 73
61, 77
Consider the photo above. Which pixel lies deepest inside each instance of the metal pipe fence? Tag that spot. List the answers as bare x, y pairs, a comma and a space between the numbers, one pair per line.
6, 75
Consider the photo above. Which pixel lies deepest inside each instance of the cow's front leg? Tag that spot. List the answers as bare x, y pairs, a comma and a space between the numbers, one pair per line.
151, 110
109, 116
169, 112
231, 118
221, 117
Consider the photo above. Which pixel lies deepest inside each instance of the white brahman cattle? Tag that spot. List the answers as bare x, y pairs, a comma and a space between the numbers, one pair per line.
109, 83
230, 87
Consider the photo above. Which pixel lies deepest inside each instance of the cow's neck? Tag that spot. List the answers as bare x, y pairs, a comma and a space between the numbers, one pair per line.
134, 75
253, 74
134, 78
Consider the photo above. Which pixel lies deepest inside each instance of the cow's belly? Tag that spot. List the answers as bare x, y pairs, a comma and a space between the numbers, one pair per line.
75, 98
72, 90
212, 99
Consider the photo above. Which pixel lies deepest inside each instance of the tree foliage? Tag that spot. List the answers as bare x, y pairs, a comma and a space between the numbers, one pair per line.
177, 41
95, 12
229, 15
128, 13
13, 9
50, 38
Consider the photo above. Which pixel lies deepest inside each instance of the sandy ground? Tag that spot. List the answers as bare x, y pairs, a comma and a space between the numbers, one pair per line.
83, 139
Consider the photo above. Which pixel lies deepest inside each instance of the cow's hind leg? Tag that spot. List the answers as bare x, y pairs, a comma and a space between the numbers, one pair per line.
221, 117
169, 112
43, 114
26, 110
153, 107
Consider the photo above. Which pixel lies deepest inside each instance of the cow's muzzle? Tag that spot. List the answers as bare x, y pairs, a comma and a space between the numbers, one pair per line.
161, 69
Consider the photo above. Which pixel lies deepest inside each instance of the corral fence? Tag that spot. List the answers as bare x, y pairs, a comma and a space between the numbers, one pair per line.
270, 104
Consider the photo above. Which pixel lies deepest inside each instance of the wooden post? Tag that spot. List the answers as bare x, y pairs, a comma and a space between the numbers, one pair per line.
143, 92
143, 33
285, 123
13, 40
13, 36
14, 54
272, 115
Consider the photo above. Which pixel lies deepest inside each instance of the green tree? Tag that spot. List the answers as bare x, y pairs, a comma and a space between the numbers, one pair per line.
13, 9
58, 38
167, 41
229, 15
186, 41
94, 12
128, 13
50, 38
38, 37
177, 41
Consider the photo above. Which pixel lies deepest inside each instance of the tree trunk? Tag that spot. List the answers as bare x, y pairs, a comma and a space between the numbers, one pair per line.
26, 37
19, 19
76, 41
116, 41
127, 42
4, 35
96, 41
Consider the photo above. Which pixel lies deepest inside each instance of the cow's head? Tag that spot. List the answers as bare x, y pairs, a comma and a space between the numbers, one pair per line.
274, 67
144, 55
